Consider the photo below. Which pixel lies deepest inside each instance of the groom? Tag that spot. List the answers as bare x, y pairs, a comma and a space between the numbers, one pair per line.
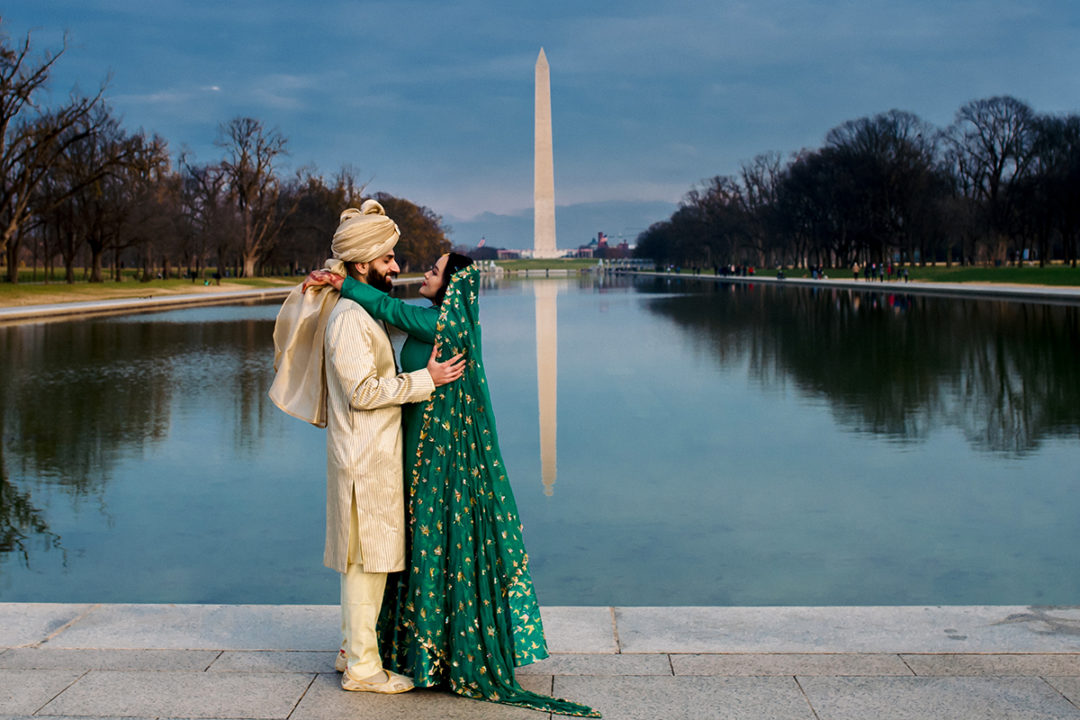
365, 508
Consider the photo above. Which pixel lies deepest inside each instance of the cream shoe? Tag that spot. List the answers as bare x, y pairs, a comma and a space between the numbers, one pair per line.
393, 684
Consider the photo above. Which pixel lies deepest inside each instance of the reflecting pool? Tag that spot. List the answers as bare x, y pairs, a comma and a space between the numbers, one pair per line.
671, 442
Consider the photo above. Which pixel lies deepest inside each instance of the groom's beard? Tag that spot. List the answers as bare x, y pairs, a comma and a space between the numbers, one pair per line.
382, 281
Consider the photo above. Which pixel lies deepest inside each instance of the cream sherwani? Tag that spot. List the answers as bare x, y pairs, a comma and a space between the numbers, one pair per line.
363, 440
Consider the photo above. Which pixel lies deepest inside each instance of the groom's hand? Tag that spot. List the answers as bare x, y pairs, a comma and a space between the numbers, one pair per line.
443, 373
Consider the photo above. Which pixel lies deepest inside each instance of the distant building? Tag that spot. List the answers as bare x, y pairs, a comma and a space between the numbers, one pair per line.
484, 253
586, 251
600, 247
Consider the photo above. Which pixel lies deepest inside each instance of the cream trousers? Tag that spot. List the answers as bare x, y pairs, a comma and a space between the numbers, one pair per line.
361, 599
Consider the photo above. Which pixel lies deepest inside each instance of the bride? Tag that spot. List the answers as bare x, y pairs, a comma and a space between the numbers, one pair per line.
463, 614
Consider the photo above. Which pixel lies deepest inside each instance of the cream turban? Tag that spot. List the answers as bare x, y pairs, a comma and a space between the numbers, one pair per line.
299, 387
364, 235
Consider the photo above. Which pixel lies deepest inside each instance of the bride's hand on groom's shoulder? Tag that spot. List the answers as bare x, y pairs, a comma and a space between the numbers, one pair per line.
318, 278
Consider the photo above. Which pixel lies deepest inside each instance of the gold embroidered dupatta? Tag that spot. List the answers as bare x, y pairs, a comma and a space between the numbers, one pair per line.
464, 613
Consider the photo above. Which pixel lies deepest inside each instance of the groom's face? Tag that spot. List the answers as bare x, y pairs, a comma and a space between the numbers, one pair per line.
381, 272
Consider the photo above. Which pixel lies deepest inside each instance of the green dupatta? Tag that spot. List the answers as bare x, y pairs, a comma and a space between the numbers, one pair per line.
465, 611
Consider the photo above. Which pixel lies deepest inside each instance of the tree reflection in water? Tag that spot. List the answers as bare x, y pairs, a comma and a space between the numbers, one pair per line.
20, 521
78, 397
1004, 373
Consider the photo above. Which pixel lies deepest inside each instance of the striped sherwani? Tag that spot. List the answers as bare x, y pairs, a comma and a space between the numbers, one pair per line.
363, 439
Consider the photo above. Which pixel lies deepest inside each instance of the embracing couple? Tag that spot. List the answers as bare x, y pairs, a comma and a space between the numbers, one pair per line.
438, 593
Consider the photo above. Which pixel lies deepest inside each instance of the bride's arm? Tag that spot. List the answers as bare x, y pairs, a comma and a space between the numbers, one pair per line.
416, 321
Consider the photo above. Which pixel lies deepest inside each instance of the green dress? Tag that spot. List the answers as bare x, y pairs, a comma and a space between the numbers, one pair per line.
463, 613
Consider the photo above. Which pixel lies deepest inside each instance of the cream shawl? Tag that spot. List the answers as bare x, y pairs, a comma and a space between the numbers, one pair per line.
299, 386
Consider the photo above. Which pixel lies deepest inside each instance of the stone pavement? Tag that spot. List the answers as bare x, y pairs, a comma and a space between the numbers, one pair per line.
840, 663
161, 301
151, 303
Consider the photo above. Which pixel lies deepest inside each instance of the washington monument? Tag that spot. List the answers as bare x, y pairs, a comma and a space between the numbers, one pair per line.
543, 167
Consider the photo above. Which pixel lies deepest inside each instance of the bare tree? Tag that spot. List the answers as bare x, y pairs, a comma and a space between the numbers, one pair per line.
32, 139
87, 191
758, 182
995, 137
253, 187
211, 225
893, 158
991, 145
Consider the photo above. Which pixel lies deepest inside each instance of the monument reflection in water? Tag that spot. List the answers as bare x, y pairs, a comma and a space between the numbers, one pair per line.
719, 444
547, 378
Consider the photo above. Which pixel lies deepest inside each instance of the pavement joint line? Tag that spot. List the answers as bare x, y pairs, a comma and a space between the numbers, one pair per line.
216, 658
66, 625
1063, 695
615, 630
61, 692
806, 697
1074, 704
314, 677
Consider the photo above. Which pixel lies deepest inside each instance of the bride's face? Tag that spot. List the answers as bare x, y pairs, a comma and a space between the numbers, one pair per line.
433, 279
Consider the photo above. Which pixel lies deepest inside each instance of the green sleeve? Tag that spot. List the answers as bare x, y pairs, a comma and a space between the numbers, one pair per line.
416, 321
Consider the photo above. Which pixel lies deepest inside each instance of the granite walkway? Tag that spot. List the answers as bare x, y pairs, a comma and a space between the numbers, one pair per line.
150, 303
798, 663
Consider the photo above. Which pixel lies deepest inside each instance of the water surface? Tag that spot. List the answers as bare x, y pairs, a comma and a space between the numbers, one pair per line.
712, 444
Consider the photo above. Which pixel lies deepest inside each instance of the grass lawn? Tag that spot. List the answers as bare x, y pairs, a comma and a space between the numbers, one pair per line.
557, 263
1026, 275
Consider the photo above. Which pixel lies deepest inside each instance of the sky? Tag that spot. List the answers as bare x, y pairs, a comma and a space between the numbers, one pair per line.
433, 100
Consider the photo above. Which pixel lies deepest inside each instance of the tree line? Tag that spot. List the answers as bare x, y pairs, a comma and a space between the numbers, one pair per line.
999, 185
78, 190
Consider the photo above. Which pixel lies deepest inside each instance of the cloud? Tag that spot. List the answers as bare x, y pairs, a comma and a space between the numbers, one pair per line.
282, 91
647, 98
166, 98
